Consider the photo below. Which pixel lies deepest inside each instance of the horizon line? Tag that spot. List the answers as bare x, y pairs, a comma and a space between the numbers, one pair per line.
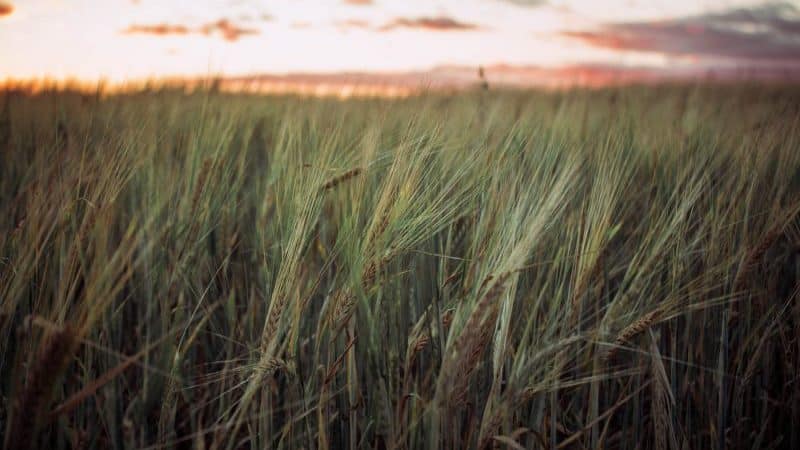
402, 83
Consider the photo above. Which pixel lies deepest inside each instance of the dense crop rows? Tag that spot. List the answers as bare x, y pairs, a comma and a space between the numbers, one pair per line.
614, 268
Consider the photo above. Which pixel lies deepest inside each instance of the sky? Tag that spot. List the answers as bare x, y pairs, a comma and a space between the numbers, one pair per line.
121, 40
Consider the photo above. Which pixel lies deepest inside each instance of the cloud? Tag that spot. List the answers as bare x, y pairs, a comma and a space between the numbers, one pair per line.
766, 33
222, 27
161, 29
263, 17
359, 2
6, 9
440, 23
229, 31
352, 23
527, 2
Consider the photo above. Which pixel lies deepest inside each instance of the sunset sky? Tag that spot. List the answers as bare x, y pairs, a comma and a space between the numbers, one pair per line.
135, 39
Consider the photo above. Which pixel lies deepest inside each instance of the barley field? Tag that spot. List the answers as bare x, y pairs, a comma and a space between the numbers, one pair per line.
610, 268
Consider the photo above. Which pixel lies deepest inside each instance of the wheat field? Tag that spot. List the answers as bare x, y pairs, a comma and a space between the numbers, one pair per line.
609, 268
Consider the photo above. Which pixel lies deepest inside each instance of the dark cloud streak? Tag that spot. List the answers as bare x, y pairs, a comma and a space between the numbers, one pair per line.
768, 33
439, 23
436, 24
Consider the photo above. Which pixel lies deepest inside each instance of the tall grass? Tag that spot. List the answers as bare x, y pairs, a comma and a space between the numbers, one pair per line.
614, 268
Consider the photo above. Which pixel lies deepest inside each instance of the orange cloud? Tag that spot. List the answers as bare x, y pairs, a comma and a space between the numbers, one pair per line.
161, 29
359, 2
223, 27
440, 23
6, 9
229, 31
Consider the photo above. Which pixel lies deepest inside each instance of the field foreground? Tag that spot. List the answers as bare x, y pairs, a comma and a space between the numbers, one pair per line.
615, 268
